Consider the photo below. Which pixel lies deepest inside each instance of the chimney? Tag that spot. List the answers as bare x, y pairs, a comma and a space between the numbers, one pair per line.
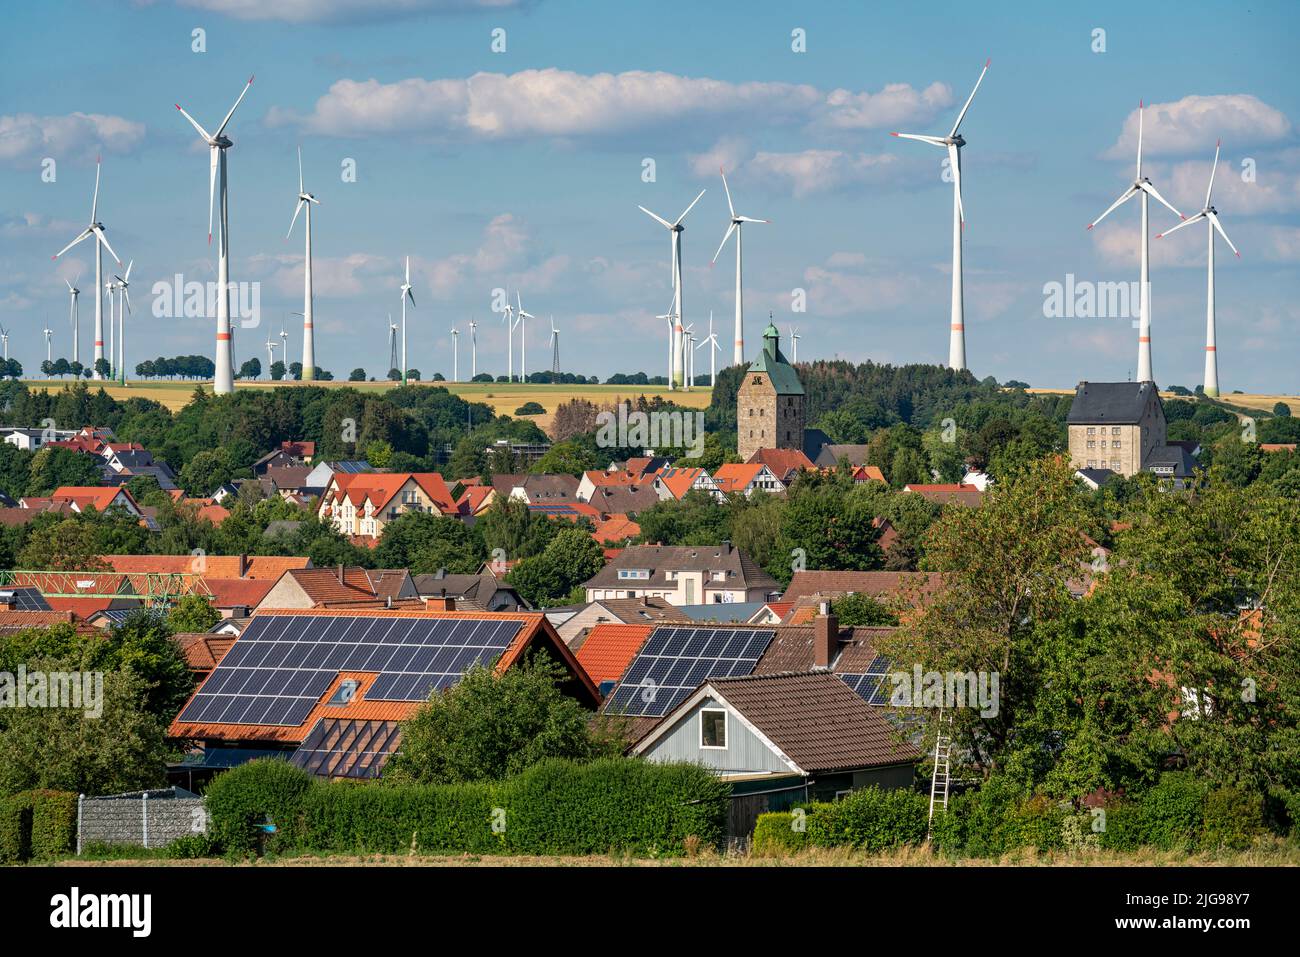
243, 565
341, 573
826, 636
8, 601
726, 546
441, 603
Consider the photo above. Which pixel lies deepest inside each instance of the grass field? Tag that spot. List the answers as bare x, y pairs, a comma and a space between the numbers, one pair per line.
504, 398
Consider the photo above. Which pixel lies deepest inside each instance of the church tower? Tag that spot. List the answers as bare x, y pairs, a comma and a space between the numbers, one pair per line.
770, 403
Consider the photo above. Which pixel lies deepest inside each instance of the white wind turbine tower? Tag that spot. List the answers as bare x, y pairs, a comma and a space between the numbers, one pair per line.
224, 380
455, 354
110, 287
1141, 186
74, 316
95, 229
676, 228
1211, 217
284, 348
794, 344
270, 352
305, 200
670, 316
123, 292
953, 143
406, 294
392, 344
4, 337
688, 357
473, 350
508, 317
523, 338
49, 347
711, 340
555, 348
737, 224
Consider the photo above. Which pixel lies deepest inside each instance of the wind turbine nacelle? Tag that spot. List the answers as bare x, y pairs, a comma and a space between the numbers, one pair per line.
957, 140
223, 141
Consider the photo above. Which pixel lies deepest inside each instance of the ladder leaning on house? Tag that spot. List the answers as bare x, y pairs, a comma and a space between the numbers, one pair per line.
942, 768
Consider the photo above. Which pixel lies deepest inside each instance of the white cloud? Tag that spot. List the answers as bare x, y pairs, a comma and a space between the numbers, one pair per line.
1275, 189
1281, 244
314, 11
1118, 245
855, 287
332, 277
26, 138
559, 103
817, 171
1194, 123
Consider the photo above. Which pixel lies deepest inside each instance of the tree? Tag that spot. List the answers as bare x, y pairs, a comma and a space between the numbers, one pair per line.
357, 375
467, 459
379, 454
250, 369
192, 614
565, 458
206, 472
102, 368
829, 524
66, 545
425, 543
530, 408
413, 375
11, 368
55, 467
489, 727
395, 375
568, 560
1281, 409
860, 608
277, 370
295, 370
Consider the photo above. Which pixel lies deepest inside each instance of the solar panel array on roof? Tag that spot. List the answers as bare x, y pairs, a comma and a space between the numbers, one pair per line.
277, 670
348, 748
352, 467
27, 599
874, 685
675, 661
554, 510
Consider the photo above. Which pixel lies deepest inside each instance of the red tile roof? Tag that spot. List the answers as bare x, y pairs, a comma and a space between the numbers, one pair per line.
233, 592
784, 463
734, 477
203, 651
679, 481
608, 649
380, 487
616, 528
875, 584
101, 497
267, 567
15, 620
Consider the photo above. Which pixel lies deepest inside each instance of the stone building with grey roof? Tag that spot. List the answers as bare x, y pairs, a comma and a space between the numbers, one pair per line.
770, 411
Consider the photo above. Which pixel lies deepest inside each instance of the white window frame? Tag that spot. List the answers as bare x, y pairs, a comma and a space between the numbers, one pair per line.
714, 747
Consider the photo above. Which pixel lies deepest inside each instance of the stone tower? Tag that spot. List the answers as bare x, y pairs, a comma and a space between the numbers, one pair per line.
770, 403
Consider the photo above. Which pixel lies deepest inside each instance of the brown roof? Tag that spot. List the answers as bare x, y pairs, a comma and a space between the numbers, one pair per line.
875, 584
234, 592
11, 621
815, 719
742, 571
203, 651
628, 500
792, 650
609, 649
967, 495
269, 567
287, 476
784, 463
635, 611
322, 585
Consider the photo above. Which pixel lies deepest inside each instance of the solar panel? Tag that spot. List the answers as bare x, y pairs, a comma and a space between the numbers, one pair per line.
27, 599
873, 685
277, 670
343, 748
674, 661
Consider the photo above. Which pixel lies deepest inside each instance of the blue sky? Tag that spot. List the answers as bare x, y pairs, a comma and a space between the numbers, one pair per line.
528, 176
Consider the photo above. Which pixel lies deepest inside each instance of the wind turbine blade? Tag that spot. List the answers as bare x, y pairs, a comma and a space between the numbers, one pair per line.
195, 123
214, 158
300, 169
725, 187
1124, 196
657, 218
1139, 173
222, 127
297, 208
408, 269
86, 232
69, 285
99, 233
128, 270
688, 208
1219, 226
1152, 191
751, 219
94, 202
410, 295
932, 140
962, 115
954, 163
1186, 222
1213, 169
127, 294
727, 235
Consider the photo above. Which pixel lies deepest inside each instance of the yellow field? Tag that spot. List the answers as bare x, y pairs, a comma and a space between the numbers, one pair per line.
1247, 400
504, 398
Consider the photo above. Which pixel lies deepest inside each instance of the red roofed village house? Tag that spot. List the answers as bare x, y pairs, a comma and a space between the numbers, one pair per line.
363, 503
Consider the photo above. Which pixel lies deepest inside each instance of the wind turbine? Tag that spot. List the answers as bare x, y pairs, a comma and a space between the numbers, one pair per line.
508, 317
711, 340
523, 338
688, 357
109, 288
737, 222
96, 229
74, 316
473, 350
1211, 217
1141, 186
676, 228
123, 287
794, 344
224, 380
555, 349
4, 337
270, 352
671, 339
49, 348
455, 354
393, 343
305, 200
953, 143
406, 294
284, 347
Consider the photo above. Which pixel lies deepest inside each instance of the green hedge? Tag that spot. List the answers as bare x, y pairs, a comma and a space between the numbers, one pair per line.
39, 824
871, 820
555, 807
1233, 819
15, 828
780, 832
